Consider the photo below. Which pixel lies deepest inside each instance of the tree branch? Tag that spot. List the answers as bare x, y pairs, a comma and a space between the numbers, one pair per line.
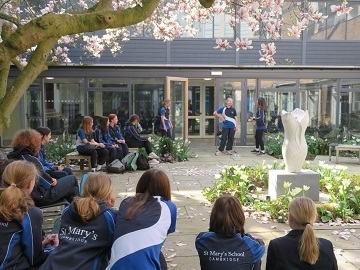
17, 64
58, 25
10, 19
35, 66
4, 74
206, 3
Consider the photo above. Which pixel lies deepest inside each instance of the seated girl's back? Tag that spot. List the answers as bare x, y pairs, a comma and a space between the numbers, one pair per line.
226, 246
87, 228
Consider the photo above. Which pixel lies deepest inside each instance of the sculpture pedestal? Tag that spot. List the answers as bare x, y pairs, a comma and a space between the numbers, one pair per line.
304, 177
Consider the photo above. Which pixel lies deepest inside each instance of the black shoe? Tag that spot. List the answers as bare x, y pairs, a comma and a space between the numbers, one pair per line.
254, 151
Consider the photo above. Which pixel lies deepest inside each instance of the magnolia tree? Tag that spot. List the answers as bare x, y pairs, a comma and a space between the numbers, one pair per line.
35, 36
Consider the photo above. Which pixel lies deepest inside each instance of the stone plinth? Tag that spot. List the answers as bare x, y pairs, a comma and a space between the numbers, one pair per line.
304, 177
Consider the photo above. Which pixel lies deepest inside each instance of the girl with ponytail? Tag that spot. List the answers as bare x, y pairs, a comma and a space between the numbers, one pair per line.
21, 242
87, 228
300, 248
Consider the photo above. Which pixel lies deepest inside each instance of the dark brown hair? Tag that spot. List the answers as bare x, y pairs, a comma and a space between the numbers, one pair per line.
28, 138
152, 183
14, 201
133, 118
261, 103
103, 123
43, 131
227, 216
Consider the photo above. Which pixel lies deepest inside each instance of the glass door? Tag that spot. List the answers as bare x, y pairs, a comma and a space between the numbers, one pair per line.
201, 108
176, 91
34, 107
233, 89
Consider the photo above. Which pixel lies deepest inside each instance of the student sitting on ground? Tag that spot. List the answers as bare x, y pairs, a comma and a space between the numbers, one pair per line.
227, 236
133, 139
102, 135
92, 215
116, 135
143, 223
300, 248
48, 190
21, 242
86, 145
55, 171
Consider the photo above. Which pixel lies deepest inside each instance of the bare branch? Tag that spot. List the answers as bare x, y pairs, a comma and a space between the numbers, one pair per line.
10, 19
17, 64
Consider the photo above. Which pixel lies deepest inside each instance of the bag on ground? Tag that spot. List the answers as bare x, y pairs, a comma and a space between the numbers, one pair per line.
130, 161
116, 166
142, 162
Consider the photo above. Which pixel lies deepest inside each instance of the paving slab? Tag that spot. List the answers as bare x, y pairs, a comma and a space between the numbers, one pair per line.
187, 182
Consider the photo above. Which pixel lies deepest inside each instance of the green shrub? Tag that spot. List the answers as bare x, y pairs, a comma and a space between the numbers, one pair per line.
169, 150
58, 147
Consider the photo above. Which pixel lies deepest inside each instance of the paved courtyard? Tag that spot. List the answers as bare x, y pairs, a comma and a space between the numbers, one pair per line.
190, 177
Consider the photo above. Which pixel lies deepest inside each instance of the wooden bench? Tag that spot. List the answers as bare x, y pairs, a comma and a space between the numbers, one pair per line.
344, 147
76, 156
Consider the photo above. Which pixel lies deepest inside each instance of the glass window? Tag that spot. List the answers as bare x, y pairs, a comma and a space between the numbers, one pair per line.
147, 95
350, 105
103, 103
64, 104
108, 83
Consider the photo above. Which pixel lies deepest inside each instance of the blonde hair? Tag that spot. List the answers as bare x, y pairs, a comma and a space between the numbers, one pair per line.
303, 213
14, 201
97, 188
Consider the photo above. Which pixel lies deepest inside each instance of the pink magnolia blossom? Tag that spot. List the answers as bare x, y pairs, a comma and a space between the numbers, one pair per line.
341, 9
222, 45
244, 44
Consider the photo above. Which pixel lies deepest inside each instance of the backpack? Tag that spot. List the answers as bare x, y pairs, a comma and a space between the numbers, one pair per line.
142, 162
82, 183
116, 166
130, 161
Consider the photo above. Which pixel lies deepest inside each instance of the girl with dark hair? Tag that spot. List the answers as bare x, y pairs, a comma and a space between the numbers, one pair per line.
102, 135
300, 248
260, 122
116, 135
56, 171
143, 223
227, 236
48, 190
21, 242
91, 214
86, 145
133, 139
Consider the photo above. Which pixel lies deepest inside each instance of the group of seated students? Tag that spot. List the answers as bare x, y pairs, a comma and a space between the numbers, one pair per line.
92, 235
107, 141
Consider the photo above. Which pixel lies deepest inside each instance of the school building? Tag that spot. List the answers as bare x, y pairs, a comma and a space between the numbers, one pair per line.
318, 72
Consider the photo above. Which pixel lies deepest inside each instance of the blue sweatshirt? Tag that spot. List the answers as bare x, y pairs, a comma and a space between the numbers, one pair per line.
83, 245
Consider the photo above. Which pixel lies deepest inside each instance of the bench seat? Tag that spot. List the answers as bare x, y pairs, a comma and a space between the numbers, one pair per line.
76, 156
346, 147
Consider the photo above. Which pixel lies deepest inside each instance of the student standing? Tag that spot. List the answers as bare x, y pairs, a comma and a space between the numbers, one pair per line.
56, 171
116, 135
226, 245
300, 249
86, 145
260, 122
21, 242
229, 125
142, 225
48, 190
87, 228
165, 124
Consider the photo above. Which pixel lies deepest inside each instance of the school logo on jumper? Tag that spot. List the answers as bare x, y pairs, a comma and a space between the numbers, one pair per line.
77, 235
224, 256
4, 224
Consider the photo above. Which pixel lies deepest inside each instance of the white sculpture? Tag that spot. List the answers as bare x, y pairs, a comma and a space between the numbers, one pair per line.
294, 148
